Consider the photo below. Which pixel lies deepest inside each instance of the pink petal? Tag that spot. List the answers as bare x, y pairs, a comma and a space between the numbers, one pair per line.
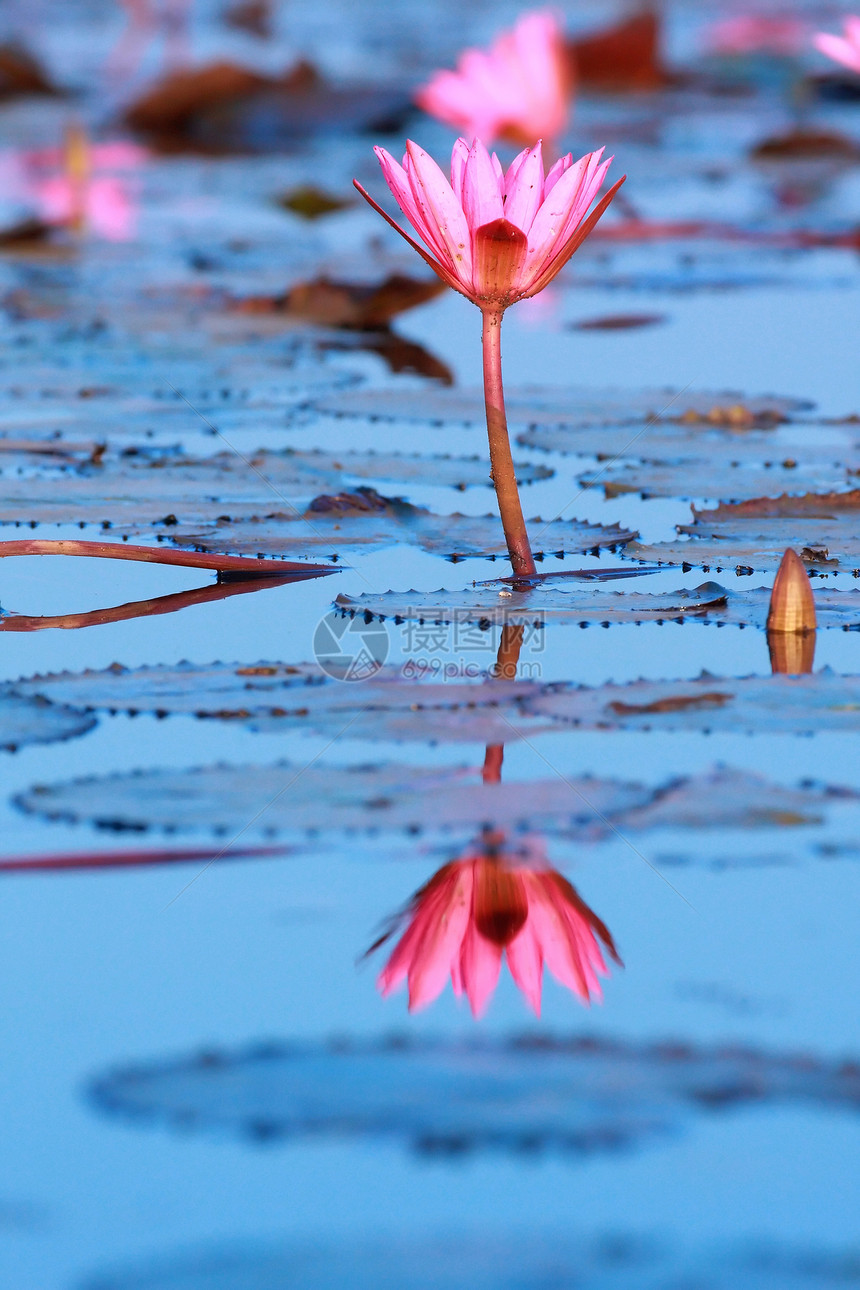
526, 965
441, 943
555, 173
550, 929
442, 212
398, 181
428, 906
839, 49
513, 170
459, 157
480, 964
553, 213
524, 194
482, 192
557, 261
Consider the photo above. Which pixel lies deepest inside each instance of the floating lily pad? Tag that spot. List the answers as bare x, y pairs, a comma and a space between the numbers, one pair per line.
752, 704
128, 489
579, 1096
725, 444
569, 407
754, 535
35, 720
285, 798
364, 518
493, 1260
703, 478
489, 606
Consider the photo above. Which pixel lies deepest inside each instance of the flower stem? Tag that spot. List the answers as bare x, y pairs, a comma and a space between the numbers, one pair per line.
501, 462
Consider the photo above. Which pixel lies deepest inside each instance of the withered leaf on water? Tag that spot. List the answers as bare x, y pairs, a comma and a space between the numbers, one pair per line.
746, 705
623, 57
388, 798
577, 1095
588, 605
821, 528
573, 407
354, 305
34, 720
312, 203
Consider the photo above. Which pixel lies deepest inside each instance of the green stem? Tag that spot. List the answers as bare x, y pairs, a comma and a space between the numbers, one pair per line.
501, 462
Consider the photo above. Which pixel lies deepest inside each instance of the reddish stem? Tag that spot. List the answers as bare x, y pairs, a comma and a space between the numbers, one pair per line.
162, 555
501, 462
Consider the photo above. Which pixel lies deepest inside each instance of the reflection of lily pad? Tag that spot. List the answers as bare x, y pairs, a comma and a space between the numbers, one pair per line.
285, 798
364, 518
588, 605
36, 721
754, 535
495, 1259
577, 1095
574, 407
752, 704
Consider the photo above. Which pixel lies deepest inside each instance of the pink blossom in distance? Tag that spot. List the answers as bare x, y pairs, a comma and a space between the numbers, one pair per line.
754, 33
495, 236
483, 905
842, 49
516, 90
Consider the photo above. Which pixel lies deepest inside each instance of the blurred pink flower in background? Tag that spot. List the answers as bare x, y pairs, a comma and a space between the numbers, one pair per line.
492, 901
843, 49
757, 33
147, 19
518, 90
84, 195
495, 236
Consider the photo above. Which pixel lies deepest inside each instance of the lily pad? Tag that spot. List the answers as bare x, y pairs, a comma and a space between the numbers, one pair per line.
577, 1095
286, 798
754, 704
572, 407
728, 482
489, 606
35, 720
365, 518
492, 1260
698, 442
822, 528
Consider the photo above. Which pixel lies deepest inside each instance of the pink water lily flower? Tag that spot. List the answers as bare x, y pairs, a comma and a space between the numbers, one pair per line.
489, 903
752, 33
843, 49
517, 90
496, 236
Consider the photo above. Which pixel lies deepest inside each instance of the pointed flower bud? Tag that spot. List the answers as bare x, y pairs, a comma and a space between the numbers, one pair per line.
792, 604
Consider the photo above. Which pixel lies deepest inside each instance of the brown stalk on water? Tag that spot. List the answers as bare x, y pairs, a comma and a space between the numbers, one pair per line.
259, 567
508, 657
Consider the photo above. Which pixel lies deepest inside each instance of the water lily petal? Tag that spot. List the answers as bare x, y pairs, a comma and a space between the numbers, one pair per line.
525, 962
441, 210
480, 964
524, 192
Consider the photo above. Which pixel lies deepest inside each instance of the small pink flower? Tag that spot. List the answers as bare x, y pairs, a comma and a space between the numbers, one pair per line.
475, 908
517, 90
751, 33
103, 205
843, 49
495, 236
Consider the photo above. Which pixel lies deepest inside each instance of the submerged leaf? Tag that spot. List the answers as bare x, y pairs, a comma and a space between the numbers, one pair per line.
579, 1095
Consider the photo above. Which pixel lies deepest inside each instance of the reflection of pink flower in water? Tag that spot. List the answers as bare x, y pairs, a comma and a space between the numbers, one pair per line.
516, 90
82, 195
488, 902
757, 33
843, 49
